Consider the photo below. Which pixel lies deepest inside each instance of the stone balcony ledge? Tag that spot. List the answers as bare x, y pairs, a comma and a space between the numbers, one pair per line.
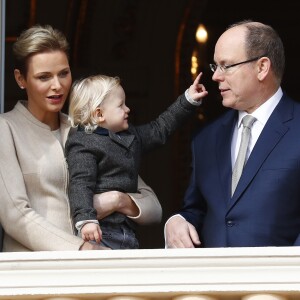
223, 273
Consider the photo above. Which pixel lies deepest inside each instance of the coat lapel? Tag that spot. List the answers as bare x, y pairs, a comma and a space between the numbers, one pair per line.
65, 127
271, 135
124, 138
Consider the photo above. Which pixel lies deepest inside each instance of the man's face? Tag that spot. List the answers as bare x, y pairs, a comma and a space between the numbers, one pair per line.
238, 84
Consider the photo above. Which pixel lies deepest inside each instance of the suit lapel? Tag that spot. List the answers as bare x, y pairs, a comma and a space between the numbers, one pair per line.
223, 148
271, 135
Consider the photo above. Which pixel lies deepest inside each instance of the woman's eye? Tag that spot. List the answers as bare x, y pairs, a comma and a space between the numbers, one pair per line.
44, 77
64, 73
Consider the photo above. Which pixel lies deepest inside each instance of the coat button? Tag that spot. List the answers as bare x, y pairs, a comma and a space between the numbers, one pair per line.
230, 223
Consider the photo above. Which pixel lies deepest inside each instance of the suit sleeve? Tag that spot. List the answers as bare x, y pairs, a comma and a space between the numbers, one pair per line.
297, 242
194, 208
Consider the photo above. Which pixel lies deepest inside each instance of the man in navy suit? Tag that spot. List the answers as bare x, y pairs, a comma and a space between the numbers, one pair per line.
264, 209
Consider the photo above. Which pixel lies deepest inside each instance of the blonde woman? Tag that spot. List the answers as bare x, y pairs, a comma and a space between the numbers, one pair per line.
35, 212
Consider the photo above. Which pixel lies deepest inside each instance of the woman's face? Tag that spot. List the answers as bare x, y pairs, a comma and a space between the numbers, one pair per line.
47, 83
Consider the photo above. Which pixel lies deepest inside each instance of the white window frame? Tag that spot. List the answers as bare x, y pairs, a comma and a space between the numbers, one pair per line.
2, 53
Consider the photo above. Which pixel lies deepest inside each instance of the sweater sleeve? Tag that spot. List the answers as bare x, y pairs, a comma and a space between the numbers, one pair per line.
148, 204
157, 132
82, 164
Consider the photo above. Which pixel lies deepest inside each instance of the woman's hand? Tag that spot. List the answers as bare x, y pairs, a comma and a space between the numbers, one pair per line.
114, 201
92, 246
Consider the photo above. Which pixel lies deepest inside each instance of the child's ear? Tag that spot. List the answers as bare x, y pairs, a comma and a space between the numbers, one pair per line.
99, 115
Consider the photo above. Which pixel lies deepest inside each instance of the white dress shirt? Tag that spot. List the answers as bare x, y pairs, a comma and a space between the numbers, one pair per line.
262, 114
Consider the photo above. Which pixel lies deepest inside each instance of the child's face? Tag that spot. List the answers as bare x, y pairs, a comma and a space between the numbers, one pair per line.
114, 111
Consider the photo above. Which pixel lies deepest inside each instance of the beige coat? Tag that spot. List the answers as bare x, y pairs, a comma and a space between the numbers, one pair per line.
34, 207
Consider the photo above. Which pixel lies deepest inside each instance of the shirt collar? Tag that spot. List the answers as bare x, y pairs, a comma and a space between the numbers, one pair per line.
263, 112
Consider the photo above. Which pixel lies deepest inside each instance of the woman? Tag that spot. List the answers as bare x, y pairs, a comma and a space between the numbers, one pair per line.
35, 211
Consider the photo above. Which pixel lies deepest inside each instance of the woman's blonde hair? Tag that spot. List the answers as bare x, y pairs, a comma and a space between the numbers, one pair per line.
37, 39
86, 96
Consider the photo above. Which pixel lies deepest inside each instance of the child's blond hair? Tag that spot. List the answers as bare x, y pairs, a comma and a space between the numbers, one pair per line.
86, 96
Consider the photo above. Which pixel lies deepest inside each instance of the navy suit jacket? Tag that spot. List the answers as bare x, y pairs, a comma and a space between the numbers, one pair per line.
265, 208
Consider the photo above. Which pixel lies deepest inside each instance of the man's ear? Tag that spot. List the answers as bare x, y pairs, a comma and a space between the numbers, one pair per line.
264, 66
20, 79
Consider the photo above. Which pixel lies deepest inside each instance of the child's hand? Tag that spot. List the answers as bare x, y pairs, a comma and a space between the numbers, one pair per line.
197, 90
91, 232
